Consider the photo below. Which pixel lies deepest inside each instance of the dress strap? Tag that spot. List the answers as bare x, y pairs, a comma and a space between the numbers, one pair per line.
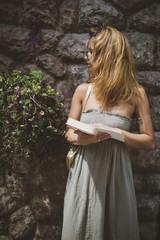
87, 96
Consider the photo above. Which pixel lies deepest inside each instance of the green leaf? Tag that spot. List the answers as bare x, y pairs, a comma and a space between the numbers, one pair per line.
30, 119
40, 124
14, 115
42, 113
9, 98
27, 101
1, 102
51, 111
34, 112
35, 125
23, 112
18, 119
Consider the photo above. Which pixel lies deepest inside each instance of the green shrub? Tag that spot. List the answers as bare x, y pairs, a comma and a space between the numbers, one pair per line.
31, 116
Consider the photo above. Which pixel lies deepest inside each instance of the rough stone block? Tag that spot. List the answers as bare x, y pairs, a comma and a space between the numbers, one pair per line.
14, 40
9, 11
138, 182
155, 112
4, 223
68, 15
21, 223
77, 74
39, 12
6, 64
152, 183
52, 65
142, 47
144, 161
66, 89
147, 183
73, 46
157, 137
146, 20
94, 13
148, 207
158, 54
10, 198
5, 238
47, 40
47, 232
2, 177
150, 80
148, 230
41, 208
129, 4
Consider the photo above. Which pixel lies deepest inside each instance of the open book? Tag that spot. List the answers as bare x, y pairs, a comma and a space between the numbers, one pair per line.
89, 129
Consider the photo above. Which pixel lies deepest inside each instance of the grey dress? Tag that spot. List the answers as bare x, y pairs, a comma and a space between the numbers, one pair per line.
100, 202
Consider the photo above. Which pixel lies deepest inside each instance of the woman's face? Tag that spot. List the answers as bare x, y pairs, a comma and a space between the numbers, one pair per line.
89, 54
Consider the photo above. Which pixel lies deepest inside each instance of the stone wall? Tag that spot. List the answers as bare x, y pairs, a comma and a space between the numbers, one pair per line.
31, 205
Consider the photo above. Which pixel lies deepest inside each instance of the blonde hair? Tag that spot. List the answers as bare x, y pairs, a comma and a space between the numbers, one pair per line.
112, 69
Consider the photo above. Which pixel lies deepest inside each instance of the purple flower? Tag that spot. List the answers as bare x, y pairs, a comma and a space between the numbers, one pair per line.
17, 91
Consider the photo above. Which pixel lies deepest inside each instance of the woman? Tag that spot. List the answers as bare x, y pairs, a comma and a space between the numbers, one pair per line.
100, 202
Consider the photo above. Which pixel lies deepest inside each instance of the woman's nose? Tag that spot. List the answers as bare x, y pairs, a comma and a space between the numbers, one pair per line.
85, 57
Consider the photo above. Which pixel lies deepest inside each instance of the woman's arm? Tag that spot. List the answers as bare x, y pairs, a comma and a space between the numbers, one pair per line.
77, 137
145, 139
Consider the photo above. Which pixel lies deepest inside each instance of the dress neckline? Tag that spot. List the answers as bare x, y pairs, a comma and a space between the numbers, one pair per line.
107, 112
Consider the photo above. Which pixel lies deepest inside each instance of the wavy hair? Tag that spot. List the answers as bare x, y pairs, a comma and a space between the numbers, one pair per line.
112, 68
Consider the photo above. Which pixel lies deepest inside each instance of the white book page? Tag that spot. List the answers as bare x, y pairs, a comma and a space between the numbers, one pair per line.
114, 133
83, 127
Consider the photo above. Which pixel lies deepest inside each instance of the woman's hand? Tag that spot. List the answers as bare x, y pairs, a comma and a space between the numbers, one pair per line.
85, 139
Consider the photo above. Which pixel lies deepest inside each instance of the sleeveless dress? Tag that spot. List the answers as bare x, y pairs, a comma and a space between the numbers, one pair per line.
100, 201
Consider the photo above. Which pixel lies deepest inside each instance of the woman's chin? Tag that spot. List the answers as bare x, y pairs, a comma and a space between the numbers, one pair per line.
89, 64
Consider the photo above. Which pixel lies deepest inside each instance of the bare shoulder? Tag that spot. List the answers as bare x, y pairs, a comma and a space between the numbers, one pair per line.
141, 96
141, 92
81, 90
77, 101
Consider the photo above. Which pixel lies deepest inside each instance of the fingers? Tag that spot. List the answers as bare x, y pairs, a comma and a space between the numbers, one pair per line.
102, 137
78, 132
86, 139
